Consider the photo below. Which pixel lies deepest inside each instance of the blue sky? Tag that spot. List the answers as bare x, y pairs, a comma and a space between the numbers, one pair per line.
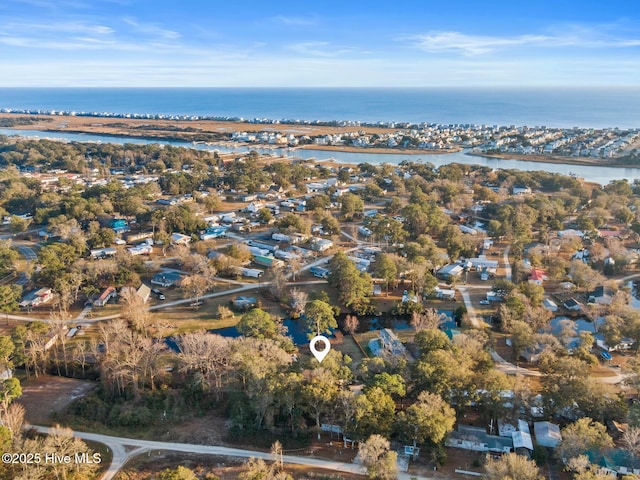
322, 43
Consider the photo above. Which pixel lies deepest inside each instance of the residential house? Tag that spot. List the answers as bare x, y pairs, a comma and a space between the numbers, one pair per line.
143, 291
449, 271
482, 262
600, 295
520, 190
277, 190
103, 252
537, 276
615, 461
118, 225
105, 296
213, 232
37, 297
624, 343
320, 244
570, 233
478, 440
141, 249
446, 294
391, 343
244, 303
254, 207
572, 305
180, 239
547, 434
166, 279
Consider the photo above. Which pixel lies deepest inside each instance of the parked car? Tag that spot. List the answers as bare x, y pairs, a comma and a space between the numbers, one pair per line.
158, 293
605, 355
485, 302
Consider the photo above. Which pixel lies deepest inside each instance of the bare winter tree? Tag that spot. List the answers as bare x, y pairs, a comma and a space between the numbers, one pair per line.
631, 441
201, 277
278, 282
60, 441
208, 356
13, 418
194, 286
134, 309
59, 329
351, 323
295, 264
298, 301
36, 353
80, 353
150, 365
428, 319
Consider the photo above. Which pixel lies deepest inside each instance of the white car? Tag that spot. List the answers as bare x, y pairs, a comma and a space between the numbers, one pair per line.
484, 302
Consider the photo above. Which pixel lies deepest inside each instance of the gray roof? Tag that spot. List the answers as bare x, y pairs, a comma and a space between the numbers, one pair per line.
547, 434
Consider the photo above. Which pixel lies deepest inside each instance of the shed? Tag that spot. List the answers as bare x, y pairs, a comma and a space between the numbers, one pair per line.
144, 292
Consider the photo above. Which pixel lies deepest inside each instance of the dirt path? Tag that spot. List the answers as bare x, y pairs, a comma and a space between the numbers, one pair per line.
125, 448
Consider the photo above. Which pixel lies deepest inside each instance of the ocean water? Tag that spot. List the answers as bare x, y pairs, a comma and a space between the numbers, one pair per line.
581, 107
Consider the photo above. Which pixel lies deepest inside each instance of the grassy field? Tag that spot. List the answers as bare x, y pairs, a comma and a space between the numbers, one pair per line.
349, 347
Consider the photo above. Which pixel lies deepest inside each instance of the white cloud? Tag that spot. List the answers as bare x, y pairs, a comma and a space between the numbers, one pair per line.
451, 41
295, 21
322, 49
317, 49
151, 29
59, 28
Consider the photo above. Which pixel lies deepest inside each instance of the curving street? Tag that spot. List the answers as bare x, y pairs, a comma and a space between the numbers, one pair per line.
123, 449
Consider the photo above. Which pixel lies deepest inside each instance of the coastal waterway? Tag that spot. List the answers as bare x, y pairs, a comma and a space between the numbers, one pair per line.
590, 173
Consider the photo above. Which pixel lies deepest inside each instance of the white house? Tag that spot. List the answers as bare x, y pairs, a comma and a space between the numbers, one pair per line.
180, 239
105, 296
520, 190
482, 262
445, 293
321, 244
254, 207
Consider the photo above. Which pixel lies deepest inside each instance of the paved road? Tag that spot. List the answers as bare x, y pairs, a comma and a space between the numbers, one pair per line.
471, 312
29, 254
507, 265
124, 449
